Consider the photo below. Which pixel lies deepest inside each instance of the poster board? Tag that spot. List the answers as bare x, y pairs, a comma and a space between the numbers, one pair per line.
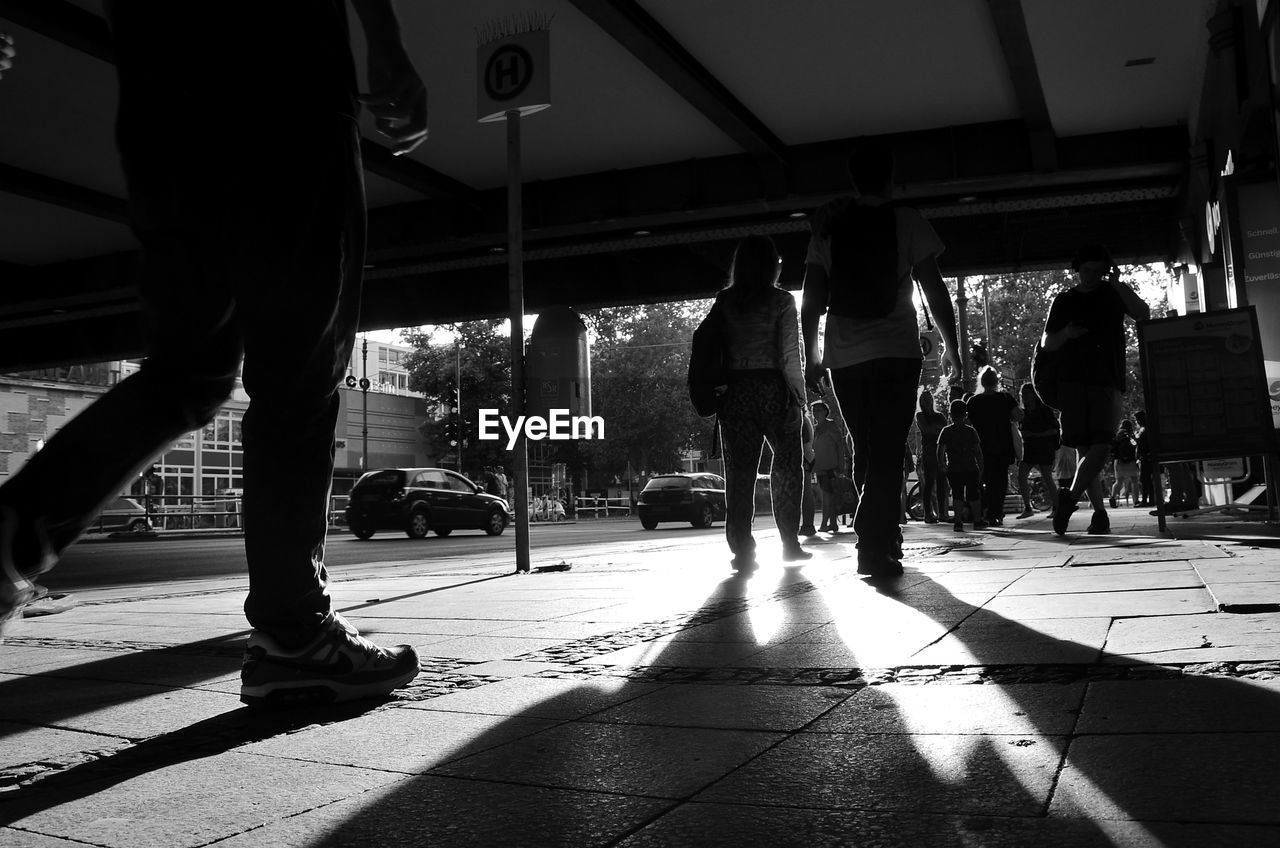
1206, 387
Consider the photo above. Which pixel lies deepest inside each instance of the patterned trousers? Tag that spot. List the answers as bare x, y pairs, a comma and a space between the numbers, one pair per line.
757, 411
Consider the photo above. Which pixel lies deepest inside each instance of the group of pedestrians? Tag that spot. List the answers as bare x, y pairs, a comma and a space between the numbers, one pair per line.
865, 253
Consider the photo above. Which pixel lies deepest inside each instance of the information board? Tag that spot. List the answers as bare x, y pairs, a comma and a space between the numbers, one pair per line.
1205, 386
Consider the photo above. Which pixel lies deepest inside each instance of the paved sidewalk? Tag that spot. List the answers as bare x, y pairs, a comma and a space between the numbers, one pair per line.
1013, 689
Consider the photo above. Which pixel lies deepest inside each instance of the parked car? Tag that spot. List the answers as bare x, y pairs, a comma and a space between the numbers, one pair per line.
421, 501
122, 514
696, 498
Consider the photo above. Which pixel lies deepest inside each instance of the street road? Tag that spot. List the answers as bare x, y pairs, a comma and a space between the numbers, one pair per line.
97, 563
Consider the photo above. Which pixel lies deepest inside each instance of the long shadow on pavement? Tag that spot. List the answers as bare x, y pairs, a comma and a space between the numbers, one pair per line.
701, 744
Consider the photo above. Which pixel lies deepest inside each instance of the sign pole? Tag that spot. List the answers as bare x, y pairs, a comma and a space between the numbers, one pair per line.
515, 297
513, 80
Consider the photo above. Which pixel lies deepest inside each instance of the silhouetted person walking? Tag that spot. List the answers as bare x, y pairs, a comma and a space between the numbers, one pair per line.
250, 250
864, 252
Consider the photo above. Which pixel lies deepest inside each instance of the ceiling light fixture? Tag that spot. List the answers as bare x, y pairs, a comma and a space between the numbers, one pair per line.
641, 233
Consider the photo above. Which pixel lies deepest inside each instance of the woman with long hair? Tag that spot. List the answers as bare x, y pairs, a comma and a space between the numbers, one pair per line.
764, 400
1040, 436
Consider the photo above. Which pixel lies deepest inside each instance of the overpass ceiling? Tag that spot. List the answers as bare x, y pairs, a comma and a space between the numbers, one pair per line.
1022, 126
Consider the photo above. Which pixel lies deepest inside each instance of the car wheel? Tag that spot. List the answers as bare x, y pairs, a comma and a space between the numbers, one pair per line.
648, 524
705, 518
419, 524
361, 532
442, 531
137, 525
495, 523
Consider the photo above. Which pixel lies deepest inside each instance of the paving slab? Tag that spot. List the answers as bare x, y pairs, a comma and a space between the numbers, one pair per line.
1024, 710
660, 762
411, 741
984, 639
1186, 705
1110, 554
879, 650
189, 803
541, 697
1094, 604
1244, 597
1203, 777
109, 707
25, 744
735, 824
970, 774
1104, 579
1194, 638
11, 838
776, 708
444, 812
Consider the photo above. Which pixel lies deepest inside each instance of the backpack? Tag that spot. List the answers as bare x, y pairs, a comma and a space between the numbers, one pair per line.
707, 365
1126, 450
864, 261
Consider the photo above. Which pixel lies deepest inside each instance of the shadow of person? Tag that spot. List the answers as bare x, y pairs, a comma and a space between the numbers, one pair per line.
793, 708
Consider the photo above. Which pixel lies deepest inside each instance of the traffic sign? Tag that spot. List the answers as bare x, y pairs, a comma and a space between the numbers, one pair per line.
513, 74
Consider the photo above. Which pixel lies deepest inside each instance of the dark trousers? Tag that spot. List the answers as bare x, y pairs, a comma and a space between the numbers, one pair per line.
995, 485
246, 254
1146, 481
757, 411
878, 401
933, 484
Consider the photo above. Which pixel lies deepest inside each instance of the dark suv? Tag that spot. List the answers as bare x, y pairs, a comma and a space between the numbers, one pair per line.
696, 498
421, 501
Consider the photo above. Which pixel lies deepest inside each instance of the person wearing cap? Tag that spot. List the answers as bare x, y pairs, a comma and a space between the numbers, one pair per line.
960, 456
1086, 327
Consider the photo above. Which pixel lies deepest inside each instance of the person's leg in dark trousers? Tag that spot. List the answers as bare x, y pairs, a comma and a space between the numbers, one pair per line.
929, 487
299, 307
786, 473
995, 485
807, 502
878, 402
742, 434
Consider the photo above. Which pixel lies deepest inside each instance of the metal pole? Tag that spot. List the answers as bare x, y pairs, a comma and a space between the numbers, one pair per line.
457, 388
515, 297
962, 321
364, 390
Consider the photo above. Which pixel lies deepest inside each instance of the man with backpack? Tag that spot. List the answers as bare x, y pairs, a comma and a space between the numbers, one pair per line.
864, 252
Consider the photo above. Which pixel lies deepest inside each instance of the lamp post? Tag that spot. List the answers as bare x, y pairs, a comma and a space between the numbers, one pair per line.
364, 390
457, 399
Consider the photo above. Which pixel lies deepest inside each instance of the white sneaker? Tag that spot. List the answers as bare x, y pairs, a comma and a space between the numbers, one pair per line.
337, 665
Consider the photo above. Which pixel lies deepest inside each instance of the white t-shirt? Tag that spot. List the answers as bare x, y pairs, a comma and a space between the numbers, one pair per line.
849, 341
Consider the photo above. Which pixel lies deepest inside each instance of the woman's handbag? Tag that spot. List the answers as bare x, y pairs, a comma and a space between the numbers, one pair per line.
1044, 374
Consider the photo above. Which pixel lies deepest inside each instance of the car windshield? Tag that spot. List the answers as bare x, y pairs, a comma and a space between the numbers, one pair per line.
669, 483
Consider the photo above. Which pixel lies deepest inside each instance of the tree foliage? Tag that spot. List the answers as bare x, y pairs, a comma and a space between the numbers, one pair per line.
479, 354
639, 366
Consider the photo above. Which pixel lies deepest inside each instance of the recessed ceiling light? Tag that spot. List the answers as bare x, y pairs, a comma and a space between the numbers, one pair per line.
641, 233
798, 215
497, 249
1145, 60
968, 198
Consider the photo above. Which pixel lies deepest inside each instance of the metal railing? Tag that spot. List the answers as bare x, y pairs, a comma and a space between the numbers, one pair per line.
595, 507
194, 512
